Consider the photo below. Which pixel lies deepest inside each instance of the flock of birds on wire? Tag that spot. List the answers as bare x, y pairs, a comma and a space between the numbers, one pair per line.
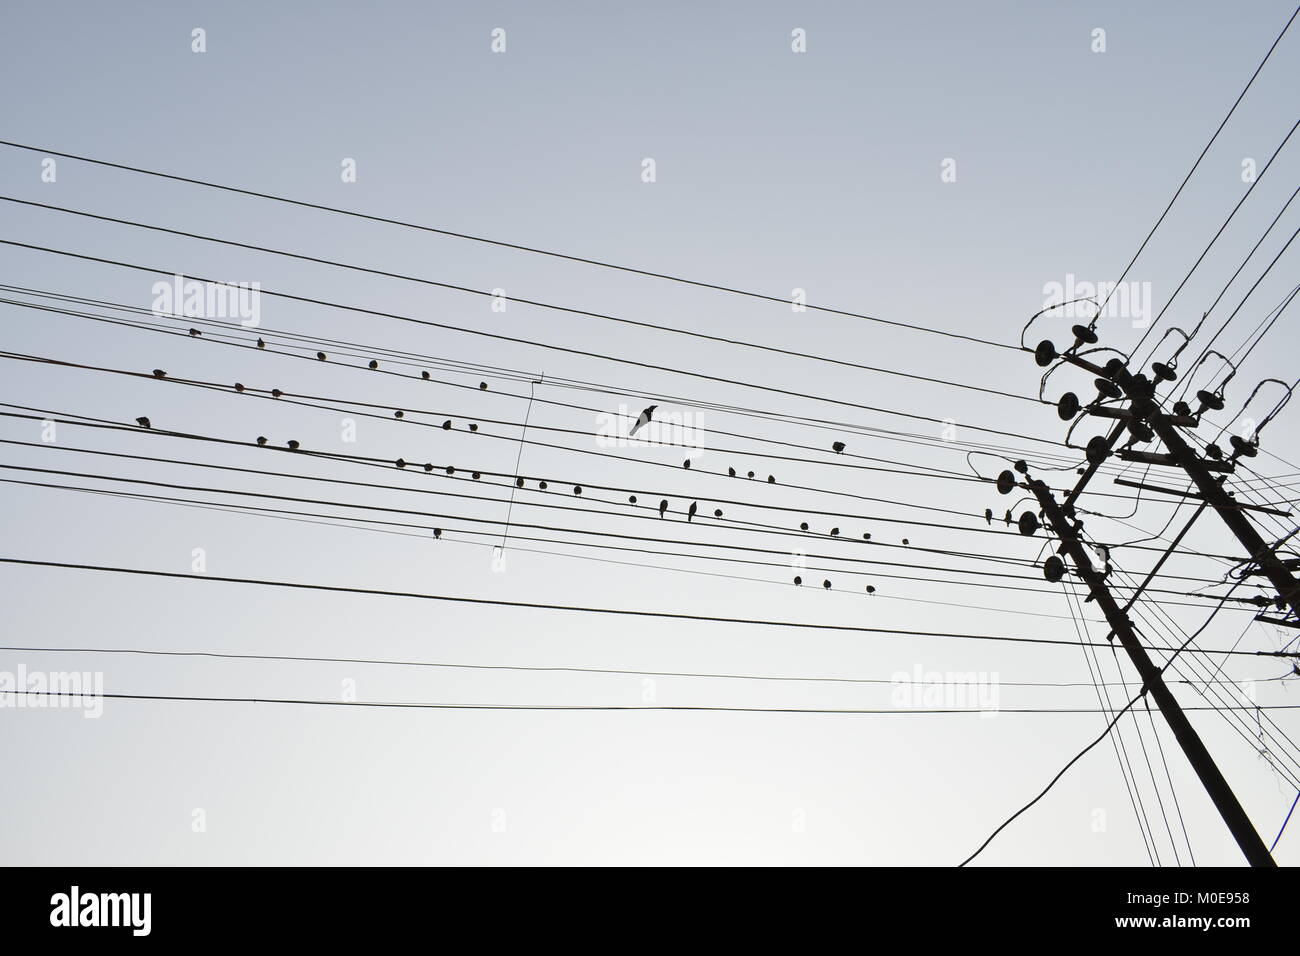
642, 421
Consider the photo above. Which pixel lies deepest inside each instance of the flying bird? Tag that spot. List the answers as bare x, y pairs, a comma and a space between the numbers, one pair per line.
642, 420
143, 422
838, 448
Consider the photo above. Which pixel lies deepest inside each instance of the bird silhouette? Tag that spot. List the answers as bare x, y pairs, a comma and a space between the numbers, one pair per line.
642, 420
293, 444
482, 386
797, 580
631, 499
905, 541
663, 506
541, 485
1007, 519
159, 373
446, 426
374, 364
771, 480
717, 512
835, 532
143, 422
988, 515
803, 526
239, 386
577, 489
276, 393
261, 439
437, 532
195, 333
321, 356
686, 463
473, 427
477, 475
401, 463
424, 375
519, 482
827, 584
399, 414
450, 470
751, 474
261, 344
838, 448
690, 512
428, 466
871, 589
731, 472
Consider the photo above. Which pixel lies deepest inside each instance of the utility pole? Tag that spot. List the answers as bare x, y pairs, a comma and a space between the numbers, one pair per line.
1144, 419
1234, 815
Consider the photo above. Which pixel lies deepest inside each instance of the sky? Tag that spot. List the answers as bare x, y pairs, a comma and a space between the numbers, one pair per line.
951, 167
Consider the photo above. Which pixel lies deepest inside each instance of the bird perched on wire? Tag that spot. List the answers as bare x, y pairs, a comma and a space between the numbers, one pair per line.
690, 512
293, 445
143, 422
374, 364
988, 515
663, 506
159, 373
838, 448
321, 356
642, 420
195, 333
261, 344
261, 439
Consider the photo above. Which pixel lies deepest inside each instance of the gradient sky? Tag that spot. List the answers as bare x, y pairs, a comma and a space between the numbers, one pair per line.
775, 171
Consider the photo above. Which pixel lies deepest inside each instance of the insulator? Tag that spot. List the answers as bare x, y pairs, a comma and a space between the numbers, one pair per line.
1163, 372
1243, 447
1053, 569
1098, 449
1210, 400
1067, 407
1084, 334
1109, 388
1006, 482
1045, 354
1028, 523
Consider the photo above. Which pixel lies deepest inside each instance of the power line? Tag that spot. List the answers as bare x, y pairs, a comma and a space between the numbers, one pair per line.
506, 245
